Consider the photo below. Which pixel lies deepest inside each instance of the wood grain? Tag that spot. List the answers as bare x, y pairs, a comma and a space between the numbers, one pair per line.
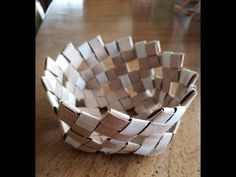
77, 21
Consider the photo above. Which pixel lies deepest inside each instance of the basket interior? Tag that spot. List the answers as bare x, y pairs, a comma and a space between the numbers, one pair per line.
117, 76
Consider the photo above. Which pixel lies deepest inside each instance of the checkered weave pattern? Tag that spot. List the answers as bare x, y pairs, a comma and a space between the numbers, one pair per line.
119, 97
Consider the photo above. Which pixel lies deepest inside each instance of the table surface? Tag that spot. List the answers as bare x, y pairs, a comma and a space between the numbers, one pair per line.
79, 20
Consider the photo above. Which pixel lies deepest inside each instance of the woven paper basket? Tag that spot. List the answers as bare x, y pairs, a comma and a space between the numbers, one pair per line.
119, 97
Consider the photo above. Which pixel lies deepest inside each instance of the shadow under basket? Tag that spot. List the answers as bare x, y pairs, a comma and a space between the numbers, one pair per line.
119, 97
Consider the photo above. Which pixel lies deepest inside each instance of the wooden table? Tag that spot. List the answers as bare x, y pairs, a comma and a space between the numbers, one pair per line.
80, 20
